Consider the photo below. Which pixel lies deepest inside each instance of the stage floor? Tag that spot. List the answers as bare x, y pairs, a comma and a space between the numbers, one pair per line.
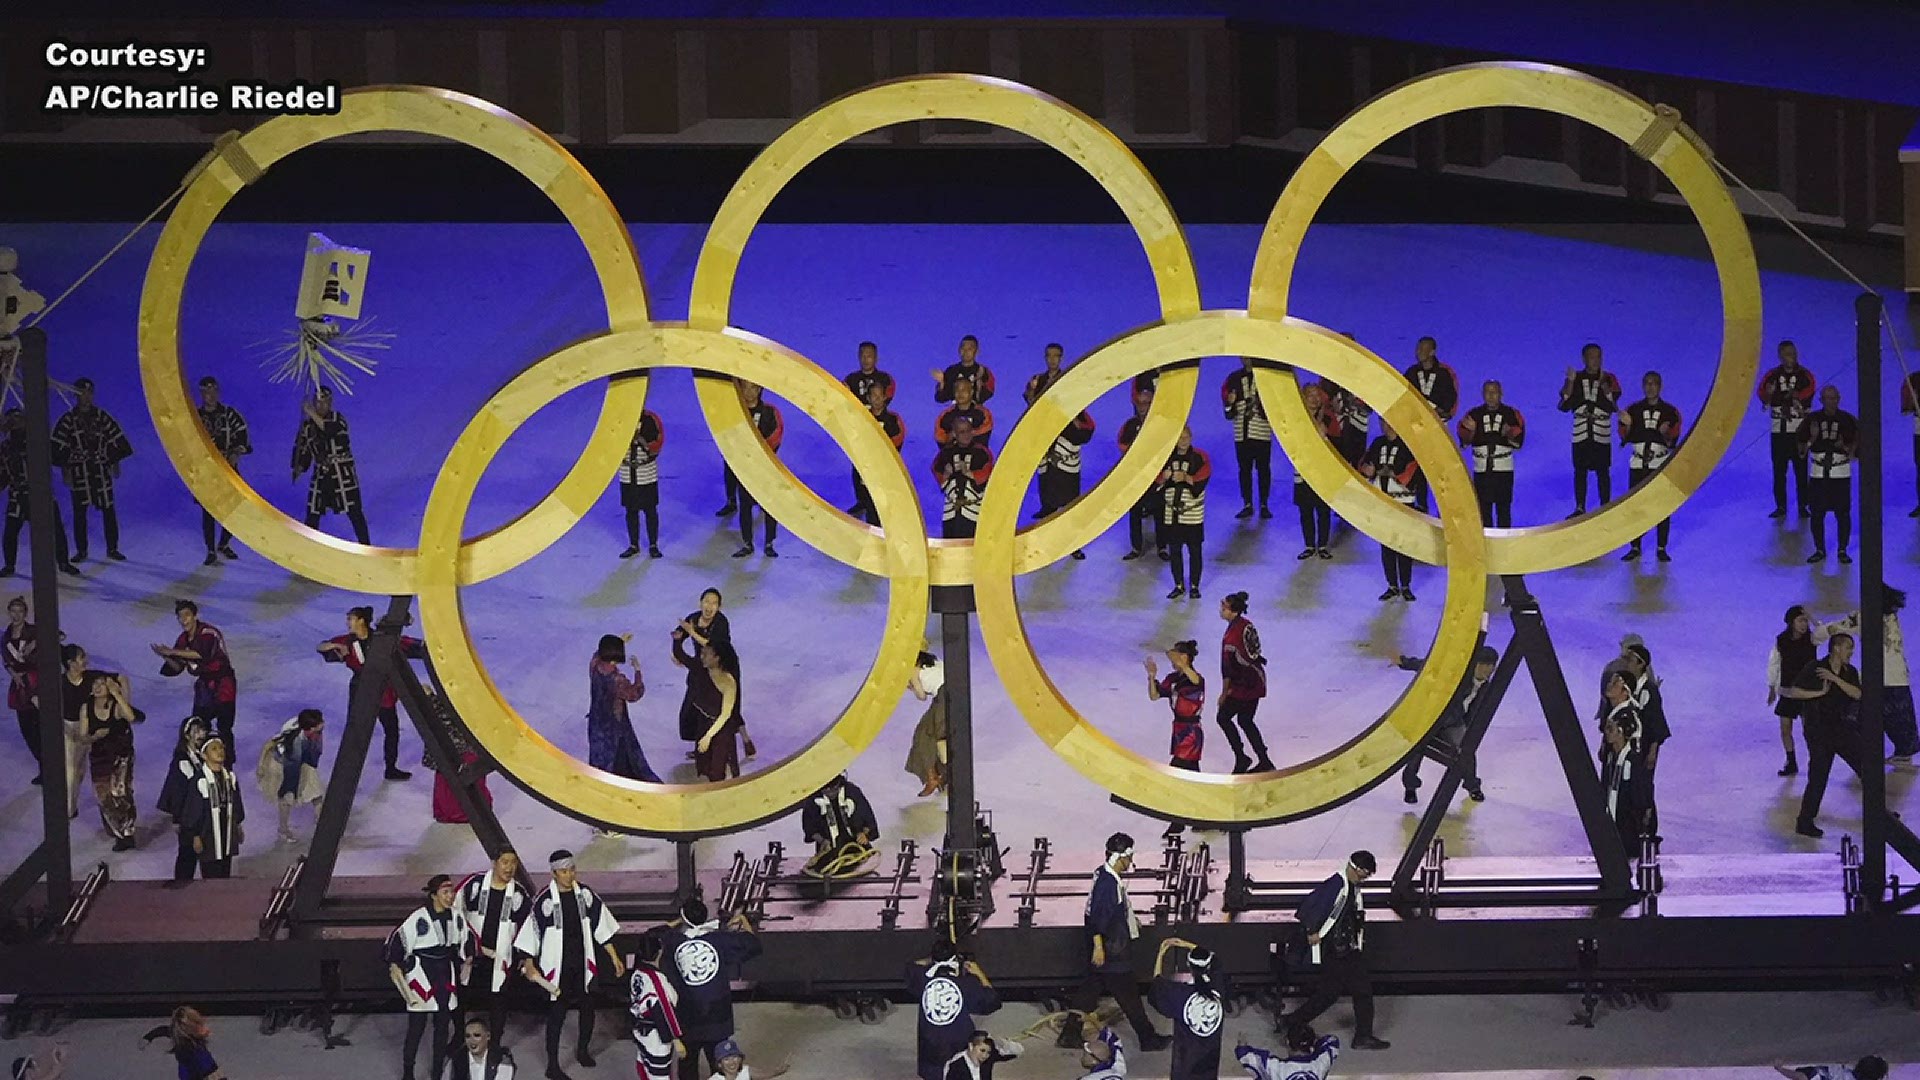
472, 305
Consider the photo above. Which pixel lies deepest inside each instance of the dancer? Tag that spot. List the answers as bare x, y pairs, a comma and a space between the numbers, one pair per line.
560, 946
1334, 917
640, 484
1650, 705
766, 418
839, 822
188, 1033
1793, 650
895, 430
1111, 929
1148, 508
1592, 395
1871, 1067
88, 447
733, 1064
983, 1052
494, 905
1390, 465
1650, 430
350, 649
1316, 517
1048, 375
76, 680
703, 959
1252, 437
183, 776
1827, 690
1624, 776
1828, 440
704, 626
1491, 432
228, 430
869, 375
1060, 469
1909, 404
325, 444
106, 727
962, 466
1185, 689
1103, 1057
17, 644
201, 651
1183, 512
927, 755
1441, 387
652, 1017
1310, 1057
426, 955
968, 369
20, 498
951, 990
1196, 1001
1355, 417
711, 708
965, 407
1451, 729
1786, 393
479, 1058
289, 771
611, 744
214, 812
1896, 696
1243, 682
446, 805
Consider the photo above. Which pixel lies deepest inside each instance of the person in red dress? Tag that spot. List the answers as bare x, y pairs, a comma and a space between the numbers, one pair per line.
1243, 682
713, 693
1185, 689
350, 649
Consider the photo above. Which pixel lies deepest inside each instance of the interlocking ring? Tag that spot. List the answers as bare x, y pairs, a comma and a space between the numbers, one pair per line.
1535, 548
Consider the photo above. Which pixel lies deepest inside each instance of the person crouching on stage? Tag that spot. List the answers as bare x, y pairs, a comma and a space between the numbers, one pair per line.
983, 1052
951, 990
1196, 1001
494, 905
655, 1023
1111, 928
559, 947
427, 957
1335, 918
289, 769
1311, 1058
839, 822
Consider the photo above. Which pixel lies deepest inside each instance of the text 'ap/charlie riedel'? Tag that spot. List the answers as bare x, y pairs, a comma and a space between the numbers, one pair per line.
123, 79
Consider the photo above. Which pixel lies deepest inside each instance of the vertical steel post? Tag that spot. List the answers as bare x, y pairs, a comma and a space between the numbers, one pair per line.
955, 605
44, 530
1873, 779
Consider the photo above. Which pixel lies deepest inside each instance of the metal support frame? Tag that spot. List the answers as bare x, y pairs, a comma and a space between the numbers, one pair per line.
961, 894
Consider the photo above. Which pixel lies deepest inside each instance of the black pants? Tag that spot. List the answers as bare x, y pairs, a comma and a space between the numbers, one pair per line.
863, 501
355, 517
109, 527
1058, 488
1826, 740
30, 730
1495, 492
1185, 539
557, 1016
1834, 496
1453, 735
690, 1065
10, 540
479, 997
653, 526
1341, 974
1256, 459
1236, 715
1916, 478
1398, 567
1421, 493
1316, 517
442, 1038
958, 527
390, 723
1120, 986
1787, 452
1595, 458
747, 504
216, 868
213, 532
1662, 531
219, 720
185, 862
1147, 509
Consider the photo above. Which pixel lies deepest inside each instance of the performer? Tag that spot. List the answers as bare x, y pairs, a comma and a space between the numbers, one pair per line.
1829, 440
703, 960
446, 804
1909, 396
494, 905
1111, 928
1827, 690
1650, 706
187, 1033
1310, 1057
1243, 682
1103, 1057
965, 407
968, 369
611, 744
896, 432
1334, 916
479, 1058
1355, 417
1048, 376
951, 991
1451, 730
640, 484
201, 651
1592, 395
76, 679
228, 430
713, 685
1316, 517
17, 644
559, 946
1183, 511
88, 447
1441, 387
106, 727
839, 822
20, 498
869, 375
1252, 437
183, 776
1195, 1000
1491, 432
1651, 431
653, 1019
927, 755
983, 1052
1060, 469
1623, 771
1185, 689
350, 649
1871, 1067
962, 466
773, 429
1390, 465
289, 770
1786, 394
1897, 692
325, 445
703, 627
1148, 508
214, 813
733, 1064
427, 958
1793, 650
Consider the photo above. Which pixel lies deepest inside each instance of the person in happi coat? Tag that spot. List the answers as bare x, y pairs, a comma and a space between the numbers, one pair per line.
201, 651
703, 958
214, 813
1183, 512
1334, 919
1252, 438
640, 484
183, 774
494, 904
17, 646
1591, 394
1196, 1001
951, 991
88, 447
839, 822
561, 945
1111, 927
350, 649
1650, 430
21, 498
427, 957
228, 431
324, 444
651, 1000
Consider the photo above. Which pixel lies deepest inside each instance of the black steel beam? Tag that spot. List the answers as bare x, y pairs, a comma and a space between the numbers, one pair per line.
1873, 779
44, 531
956, 643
